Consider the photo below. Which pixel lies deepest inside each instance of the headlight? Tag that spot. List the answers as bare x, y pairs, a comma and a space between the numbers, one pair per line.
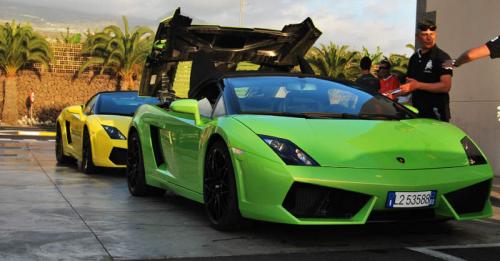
473, 154
114, 133
288, 152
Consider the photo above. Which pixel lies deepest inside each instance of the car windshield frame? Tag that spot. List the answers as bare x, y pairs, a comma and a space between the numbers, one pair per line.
235, 106
126, 109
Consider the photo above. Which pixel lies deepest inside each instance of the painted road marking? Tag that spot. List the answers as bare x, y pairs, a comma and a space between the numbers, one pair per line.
432, 250
436, 254
37, 133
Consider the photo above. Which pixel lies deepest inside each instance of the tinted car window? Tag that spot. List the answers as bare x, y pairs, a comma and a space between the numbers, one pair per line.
309, 97
90, 106
121, 103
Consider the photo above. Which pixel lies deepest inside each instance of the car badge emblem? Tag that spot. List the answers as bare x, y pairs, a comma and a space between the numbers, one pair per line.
401, 160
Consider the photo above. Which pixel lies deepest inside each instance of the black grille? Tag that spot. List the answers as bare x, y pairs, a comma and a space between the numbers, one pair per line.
470, 199
402, 215
312, 201
118, 156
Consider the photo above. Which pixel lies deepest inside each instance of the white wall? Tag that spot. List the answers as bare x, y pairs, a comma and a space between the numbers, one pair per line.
475, 93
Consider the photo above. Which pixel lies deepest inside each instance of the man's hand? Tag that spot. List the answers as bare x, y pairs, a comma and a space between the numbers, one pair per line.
410, 86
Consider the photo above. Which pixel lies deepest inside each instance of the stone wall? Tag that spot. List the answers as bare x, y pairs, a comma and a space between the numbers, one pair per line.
54, 91
57, 88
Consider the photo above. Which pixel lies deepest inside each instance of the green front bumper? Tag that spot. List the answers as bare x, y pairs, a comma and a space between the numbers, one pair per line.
263, 186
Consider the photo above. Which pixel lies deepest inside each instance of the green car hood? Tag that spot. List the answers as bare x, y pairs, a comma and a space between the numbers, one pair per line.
372, 144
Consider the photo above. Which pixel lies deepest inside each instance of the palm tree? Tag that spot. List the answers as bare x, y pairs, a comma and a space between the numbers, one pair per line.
19, 45
400, 62
119, 52
334, 61
376, 56
69, 38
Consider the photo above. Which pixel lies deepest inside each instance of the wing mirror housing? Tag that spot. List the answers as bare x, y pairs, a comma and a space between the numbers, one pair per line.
76, 109
411, 108
189, 106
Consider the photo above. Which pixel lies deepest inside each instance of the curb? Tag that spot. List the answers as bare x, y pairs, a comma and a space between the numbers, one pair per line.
37, 133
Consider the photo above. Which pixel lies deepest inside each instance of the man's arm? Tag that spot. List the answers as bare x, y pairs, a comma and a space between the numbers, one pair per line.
469, 56
443, 86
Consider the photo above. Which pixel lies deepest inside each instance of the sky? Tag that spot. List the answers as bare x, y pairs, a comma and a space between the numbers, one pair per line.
357, 23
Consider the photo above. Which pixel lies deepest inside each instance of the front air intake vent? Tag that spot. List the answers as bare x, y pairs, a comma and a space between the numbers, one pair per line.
312, 201
470, 199
118, 156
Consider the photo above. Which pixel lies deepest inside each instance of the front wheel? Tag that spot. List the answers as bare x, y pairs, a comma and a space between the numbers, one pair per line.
87, 165
60, 157
219, 189
136, 179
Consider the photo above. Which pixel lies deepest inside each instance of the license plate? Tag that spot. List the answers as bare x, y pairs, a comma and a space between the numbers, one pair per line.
411, 199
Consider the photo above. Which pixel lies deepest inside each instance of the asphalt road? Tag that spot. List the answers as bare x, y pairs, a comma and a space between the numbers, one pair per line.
50, 212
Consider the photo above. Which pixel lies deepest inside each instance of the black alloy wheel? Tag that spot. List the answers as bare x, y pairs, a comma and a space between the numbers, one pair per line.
60, 157
219, 189
87, 165
136, 179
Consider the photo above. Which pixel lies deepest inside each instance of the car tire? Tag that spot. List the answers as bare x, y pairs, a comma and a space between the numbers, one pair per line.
219, 189
136, 179
60, 157
87, 164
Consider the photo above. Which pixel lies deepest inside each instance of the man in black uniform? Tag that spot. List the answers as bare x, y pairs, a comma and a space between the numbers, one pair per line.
491, 49
427, 80
367, 81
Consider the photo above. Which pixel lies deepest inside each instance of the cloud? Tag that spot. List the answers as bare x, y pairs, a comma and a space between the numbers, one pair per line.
370, 23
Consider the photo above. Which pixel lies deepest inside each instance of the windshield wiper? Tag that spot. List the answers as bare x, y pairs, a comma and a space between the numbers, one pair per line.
366, 116
286, 114
325, 115
376, 116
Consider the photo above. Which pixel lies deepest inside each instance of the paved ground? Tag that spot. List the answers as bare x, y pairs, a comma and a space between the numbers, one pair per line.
50, 212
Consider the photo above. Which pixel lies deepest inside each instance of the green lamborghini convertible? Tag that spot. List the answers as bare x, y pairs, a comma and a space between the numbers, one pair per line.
273, 145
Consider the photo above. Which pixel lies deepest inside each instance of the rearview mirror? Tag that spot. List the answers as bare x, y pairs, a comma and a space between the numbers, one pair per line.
411, 108
76, 109
187, 106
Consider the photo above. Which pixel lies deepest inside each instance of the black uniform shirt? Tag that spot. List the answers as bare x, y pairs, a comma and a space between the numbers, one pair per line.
368, 82
494, 46
427, 68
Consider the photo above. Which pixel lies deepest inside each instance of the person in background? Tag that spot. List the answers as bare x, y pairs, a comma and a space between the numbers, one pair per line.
367, 81
387, 81
427, 80
491, 49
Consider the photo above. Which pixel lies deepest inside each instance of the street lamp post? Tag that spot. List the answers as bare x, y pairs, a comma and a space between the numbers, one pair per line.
242, 10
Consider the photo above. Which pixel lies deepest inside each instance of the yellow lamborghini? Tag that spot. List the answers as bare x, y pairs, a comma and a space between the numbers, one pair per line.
95, 134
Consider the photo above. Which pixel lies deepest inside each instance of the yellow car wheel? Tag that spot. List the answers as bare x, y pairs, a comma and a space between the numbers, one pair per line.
60, 157
87, 165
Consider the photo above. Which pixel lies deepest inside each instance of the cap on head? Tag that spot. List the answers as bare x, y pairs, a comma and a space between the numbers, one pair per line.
426, 24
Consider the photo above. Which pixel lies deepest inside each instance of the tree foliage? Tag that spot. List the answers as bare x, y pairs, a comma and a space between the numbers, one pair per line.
69, 38
335, 61
338, 61
121, 53
20, 45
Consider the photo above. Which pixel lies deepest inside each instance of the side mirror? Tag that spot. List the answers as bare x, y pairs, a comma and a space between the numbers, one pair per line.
187, 106
76, 109
411, 108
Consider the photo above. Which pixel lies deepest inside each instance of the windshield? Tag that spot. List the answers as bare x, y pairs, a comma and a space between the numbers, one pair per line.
122, 103
309, 98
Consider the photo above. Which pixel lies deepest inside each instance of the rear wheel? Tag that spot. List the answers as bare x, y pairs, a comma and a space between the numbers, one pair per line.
60, 157
87, 165
219, 189
136, 179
